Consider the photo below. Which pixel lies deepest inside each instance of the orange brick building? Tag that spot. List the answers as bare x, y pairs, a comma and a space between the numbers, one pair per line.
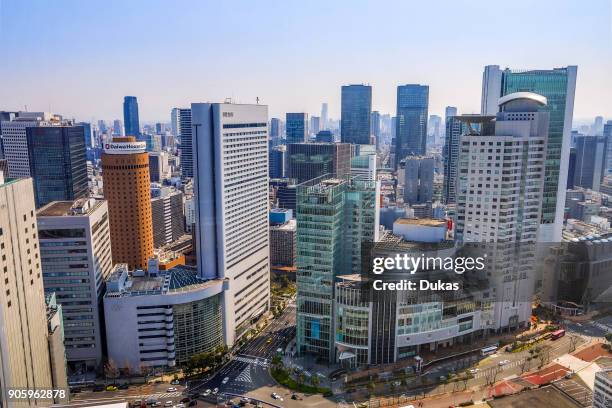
125, 171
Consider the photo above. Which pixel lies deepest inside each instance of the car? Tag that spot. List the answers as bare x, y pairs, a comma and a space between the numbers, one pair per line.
269, 340
503, 362
215, 391
473, 370
275, 395
171, 389
294, 397
245, 400
205, 393
123, 386
181, 405
156, 404
168, 404
185, 400
75, 390
225, 380
98, 388
175, 382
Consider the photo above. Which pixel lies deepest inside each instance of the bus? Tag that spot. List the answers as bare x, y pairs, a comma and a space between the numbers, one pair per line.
488, 350
558, 334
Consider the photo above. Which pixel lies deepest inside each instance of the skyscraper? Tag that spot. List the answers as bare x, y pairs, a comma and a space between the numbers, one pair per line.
590, 165
24, 351
167, 214
297, 127
175, 121
117, 128
335, 218
375, 127
306, 161
130, 116
231, 193
14, 139
450, 156
499, 190
57, 163
607, 133
558, 86
355, 111
315, 125
186, 152
75, 236
89, 140
418, 184
278, 159
125, 170
411, 126
324, 117
275, 128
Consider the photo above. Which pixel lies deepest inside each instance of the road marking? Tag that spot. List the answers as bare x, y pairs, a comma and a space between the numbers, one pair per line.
244, 376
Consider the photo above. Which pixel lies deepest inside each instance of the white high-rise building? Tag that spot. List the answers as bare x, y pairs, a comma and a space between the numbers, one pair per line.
230, 149
24, 352
558, 85
76, 260
175, 121
324, 117
602, 390
499, 192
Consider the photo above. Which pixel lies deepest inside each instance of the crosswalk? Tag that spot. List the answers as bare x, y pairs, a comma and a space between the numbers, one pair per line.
166, 395
262, 362
483, 373
244, 376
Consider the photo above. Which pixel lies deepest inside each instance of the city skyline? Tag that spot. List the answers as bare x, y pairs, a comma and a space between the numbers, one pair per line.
91, 80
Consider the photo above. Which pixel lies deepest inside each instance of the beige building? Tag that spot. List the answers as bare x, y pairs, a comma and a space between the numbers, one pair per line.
24, 352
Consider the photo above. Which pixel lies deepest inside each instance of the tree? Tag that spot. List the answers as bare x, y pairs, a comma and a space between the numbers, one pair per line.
525, 364
127, 369
300, 378
111, 370
314, 381
544, 355
573, 343
491, 375
144, 371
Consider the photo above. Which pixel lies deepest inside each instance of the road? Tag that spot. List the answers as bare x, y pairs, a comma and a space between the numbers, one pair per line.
248, 369
143, 392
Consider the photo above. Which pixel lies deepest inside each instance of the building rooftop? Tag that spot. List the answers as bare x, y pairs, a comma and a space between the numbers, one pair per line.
82, 206
290, 225
139, 283
425, 222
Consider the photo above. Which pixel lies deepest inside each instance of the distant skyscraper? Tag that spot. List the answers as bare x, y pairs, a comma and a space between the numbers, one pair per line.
186, 152
297, 127
324, 117
275, 128
127, 182
356, 110
158, 166
66, 228
231, 178
375, 127
418, 186
278, 158
306, 161
450, 156
597, 128
450, 111
590, 166
58, 166
558, 86
24, 352
175, 121
130, 116
315, 125
607, 133
412, 114
325, 136
434, 128
89, 140
117, 128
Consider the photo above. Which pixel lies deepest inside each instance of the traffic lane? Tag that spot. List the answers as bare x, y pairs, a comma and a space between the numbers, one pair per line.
133, 390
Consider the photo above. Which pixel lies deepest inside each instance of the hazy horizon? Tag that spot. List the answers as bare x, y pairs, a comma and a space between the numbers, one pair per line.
80, 58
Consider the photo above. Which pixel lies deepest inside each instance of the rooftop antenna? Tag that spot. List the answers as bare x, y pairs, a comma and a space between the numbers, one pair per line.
257, 99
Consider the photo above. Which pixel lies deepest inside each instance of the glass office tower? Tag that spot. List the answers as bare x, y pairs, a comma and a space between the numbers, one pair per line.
335, 216
130, 116
412, 114
356, 110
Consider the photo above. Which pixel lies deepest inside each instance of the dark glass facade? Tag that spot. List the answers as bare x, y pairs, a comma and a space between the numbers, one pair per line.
296, 127
356, 110
130, 116
412, 115
306, 161
57, 163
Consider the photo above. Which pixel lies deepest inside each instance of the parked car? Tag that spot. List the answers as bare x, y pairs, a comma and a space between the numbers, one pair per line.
225, 380
175, 382
124, 386
98, 388
168, 404
205, 393
215, 391
171, 389
503, 362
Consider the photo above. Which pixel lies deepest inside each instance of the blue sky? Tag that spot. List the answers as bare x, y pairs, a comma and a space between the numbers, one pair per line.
80, 57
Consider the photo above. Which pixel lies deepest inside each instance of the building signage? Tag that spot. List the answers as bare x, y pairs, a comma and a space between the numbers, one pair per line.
125, 147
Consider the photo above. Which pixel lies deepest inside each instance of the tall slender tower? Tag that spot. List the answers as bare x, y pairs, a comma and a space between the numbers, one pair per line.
231, 191
356, 108
24, 353
130, 116
411, 126
127, 183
